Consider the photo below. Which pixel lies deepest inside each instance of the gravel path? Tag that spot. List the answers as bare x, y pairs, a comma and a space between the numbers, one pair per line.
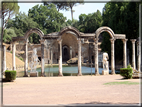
70, 90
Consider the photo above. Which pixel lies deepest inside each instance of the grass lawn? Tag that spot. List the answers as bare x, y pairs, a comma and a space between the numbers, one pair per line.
124, 82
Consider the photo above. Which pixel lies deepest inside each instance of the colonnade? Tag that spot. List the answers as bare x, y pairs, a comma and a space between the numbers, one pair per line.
78, 37
138, 55
79, 56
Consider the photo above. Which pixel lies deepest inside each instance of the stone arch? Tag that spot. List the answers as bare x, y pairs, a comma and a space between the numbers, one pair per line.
103, 29
34, 30
72, 29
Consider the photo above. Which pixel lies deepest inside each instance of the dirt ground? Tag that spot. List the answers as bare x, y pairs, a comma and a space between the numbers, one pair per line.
19, 63
68, 90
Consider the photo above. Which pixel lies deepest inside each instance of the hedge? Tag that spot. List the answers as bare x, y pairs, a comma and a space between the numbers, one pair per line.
126, 72
10, 75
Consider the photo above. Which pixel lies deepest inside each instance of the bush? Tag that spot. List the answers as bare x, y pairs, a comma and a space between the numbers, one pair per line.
129, 66
10, 75
126, 72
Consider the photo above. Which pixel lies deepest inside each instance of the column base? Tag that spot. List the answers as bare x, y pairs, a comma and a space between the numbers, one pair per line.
43, 75
79, 74
97, 74
26, 75
113, 73
60, 75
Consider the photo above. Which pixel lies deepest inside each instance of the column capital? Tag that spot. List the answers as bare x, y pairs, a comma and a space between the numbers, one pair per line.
59, 40
95, 40
133, 40
13, 42
124, 40
25, 42
42, 41
112, 40
138, 43
78, 39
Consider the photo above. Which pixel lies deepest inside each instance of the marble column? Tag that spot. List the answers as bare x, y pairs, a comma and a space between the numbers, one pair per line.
60, 57
138, 56
48, 54
26, 60
42, 58
96, 56
51, 55
133, 53
4, 58
124, 53
112, 57
13, 56
79, 57
70, 52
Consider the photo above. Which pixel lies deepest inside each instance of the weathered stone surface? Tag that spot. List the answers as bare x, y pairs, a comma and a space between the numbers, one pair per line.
133, 54
105, 72
33, 74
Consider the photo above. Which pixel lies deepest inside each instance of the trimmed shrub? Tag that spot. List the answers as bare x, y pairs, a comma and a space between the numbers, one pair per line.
129, 66
10, 75
126, 72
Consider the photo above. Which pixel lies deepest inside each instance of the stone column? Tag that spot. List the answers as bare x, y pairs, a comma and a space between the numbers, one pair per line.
42, 58
51, 55
133, 53
96, 56
60, 57
13, 55
26, 60
79, 57
138, 56
4, 58
124, 53
70, 52
112, 57
48, 54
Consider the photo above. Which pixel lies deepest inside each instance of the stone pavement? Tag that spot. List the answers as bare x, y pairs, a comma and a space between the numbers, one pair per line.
70, 90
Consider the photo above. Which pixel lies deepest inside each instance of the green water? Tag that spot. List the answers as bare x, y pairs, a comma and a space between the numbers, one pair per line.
66, 70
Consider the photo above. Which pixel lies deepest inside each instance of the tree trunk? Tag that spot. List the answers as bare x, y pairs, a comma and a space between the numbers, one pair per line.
72, 13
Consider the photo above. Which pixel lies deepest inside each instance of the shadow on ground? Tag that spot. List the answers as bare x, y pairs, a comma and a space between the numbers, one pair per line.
101, 104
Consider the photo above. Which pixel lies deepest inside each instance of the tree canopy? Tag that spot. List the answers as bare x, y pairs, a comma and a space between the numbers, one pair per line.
8, 9
48, 18
65, 5
122, 18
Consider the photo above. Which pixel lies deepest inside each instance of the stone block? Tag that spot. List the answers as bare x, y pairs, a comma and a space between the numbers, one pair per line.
33, 74
105, 72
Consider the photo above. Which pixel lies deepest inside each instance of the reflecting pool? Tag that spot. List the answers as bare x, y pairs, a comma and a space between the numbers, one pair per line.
67, 71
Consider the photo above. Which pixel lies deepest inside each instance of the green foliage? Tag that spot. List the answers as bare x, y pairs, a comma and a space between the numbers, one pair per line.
129, 66
90, 23
8, 10
10, 75
122, 18
126, 72
21, 23
48, 18
21, 58
8, 34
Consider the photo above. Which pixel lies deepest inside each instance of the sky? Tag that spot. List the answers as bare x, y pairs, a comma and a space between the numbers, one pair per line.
79, 9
